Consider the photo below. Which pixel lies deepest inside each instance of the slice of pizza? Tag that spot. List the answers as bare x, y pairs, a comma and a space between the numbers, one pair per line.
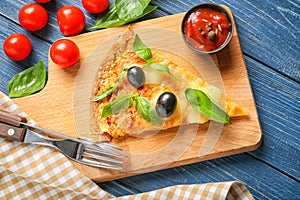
138, 90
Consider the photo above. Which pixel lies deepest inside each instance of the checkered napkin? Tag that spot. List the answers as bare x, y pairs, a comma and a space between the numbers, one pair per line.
38, 172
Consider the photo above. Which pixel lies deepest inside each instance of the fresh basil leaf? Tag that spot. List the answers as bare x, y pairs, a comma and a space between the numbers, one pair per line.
104, 94
202, 103
107, 111
146, 111
121, 103
141, 49
162, 68
147, 10
110, 91
155, 119
116, 106
130, 9
111, 18
28, 81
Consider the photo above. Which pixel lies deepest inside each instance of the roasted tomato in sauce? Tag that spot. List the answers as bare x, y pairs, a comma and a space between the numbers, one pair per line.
206, 29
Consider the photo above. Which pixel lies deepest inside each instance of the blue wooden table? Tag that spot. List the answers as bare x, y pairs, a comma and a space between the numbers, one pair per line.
269, 32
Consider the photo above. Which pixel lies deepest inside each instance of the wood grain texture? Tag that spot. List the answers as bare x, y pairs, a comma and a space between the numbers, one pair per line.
269, 31
281, 132
263, 182
265, 31
269, 40
242, 135
9, 68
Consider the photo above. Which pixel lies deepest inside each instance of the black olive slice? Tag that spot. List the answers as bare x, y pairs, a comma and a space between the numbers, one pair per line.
136, 76
166, 104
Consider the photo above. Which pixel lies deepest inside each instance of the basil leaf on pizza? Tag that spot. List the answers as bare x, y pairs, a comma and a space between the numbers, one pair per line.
141, 49
162, 68
110, 90
202, 103
116, 106
145, 109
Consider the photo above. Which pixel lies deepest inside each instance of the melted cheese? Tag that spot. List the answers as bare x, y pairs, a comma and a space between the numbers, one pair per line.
130, 122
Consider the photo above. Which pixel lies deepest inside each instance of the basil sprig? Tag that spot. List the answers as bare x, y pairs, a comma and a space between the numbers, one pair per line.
113, 87
145, 53
162, 68
138, 5
28, 81
145, 109
122, 12
116, 106
123, 102
202, 103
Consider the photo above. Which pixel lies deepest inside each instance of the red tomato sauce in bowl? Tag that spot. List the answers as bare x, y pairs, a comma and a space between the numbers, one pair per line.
207, 28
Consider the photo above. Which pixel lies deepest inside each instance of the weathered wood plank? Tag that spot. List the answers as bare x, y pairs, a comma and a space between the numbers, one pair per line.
269, 32
9, 68
274, 94
15, 5
262, 181
277, 101
51, 32
273, 40
242, 135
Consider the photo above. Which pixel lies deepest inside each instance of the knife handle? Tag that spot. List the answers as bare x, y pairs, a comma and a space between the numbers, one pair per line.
10, 132
10, 118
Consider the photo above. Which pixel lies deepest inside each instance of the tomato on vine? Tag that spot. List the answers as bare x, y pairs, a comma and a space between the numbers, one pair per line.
71, 20
33, 17
65, 53
17, 46
95, 6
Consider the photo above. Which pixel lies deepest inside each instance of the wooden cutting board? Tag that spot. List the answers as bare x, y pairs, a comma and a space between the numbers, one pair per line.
53, 107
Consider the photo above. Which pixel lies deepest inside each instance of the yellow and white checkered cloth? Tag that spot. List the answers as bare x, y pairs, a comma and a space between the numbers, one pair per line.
38, 172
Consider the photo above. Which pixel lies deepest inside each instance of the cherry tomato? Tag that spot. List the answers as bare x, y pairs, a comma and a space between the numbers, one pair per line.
17, 46
71, 20
64, 52
43, 1
95, 6
33, 17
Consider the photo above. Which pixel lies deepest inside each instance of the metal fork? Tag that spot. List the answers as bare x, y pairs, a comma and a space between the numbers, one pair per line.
103, 155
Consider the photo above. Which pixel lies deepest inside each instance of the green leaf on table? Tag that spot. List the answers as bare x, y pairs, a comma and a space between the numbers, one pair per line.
112, 19
146, 111
131, 9
116, 106
147, 10
205, 105
28, 81
142, 50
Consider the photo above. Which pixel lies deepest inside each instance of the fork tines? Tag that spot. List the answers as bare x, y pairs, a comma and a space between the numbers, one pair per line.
104, 155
